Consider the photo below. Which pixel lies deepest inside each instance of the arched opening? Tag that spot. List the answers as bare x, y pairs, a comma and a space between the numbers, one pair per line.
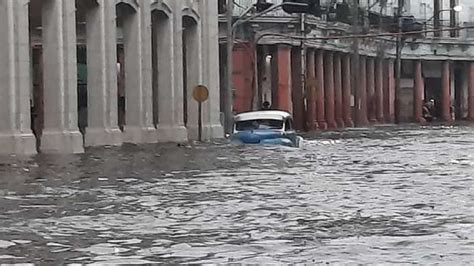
161, 41
83, 10
190, 66
126, 25
37, 93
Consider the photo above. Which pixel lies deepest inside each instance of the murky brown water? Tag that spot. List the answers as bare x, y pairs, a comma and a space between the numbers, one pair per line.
380, 195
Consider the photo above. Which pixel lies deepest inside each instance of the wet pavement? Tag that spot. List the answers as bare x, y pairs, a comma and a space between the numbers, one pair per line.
386, 195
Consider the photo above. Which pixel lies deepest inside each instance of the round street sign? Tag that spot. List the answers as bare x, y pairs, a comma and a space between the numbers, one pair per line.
200, 93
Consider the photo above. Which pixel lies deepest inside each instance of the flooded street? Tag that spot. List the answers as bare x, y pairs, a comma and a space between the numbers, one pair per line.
377, 195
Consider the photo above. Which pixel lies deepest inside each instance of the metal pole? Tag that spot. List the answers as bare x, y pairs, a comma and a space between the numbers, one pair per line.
303, 64
452, 18
228, 101
436, 13
355, 64
200, 121
398, 62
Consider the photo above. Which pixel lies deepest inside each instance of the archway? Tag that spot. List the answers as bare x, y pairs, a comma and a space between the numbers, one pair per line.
37, 97
162, 78
191, 70
126, 22
85, 9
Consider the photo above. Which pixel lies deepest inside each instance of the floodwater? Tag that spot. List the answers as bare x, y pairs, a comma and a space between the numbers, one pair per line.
385, 195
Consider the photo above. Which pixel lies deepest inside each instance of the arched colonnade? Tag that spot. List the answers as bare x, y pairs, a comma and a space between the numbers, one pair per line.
100, 72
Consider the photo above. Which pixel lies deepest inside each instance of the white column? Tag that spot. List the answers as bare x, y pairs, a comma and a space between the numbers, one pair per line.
170, 127
177, 66
15, 80
194, 74
102, 76
138, 76
147, 71
210, 65
61, 134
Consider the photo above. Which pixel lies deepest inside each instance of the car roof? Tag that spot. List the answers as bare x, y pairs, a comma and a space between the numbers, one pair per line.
267, 114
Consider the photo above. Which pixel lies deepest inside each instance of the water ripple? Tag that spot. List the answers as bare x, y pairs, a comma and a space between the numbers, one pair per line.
386, 195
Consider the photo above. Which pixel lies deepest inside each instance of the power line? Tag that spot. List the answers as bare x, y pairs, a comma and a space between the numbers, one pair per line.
363, 36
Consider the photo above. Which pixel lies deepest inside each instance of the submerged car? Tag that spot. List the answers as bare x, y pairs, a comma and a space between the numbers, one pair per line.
265, 127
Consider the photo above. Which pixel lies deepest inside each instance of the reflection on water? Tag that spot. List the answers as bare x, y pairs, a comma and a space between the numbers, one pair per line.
375, 195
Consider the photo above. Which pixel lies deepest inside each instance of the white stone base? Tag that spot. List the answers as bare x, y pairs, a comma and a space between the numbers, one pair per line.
19, 144
209, 132
176, 134
103, 137
138, 135
62, 142
216, 131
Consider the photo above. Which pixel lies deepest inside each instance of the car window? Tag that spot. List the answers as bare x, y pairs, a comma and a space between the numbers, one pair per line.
259, 124
288, 125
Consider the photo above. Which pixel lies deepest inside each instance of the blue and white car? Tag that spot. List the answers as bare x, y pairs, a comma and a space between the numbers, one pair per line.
265, 127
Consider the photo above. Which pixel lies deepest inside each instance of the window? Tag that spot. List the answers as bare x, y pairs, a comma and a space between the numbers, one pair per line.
259, 124
288, 125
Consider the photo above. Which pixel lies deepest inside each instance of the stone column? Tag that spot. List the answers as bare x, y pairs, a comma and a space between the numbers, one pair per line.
210, 50
389, 92
147, 73
379, 90
371, 90
102, 76
470, 115
347, 91
311, 121
446, 92
320, 91
418, 93
61, 133
15, 80
329, 90
297, 89
361, 95
170, 127
138, 76
281, 77
178, 71
338, 90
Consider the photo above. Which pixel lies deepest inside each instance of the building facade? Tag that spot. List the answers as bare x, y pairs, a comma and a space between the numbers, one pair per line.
80, 73
306, 65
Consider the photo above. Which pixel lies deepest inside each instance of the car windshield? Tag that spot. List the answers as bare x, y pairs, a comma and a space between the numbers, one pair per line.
259, 124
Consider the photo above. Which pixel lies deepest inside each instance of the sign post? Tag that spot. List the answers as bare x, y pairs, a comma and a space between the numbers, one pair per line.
200, 94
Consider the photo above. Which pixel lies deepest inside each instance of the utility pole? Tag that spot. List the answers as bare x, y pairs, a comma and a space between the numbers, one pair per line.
228, 95
355, 65
398, 61
452, 18
304, 90
436, 13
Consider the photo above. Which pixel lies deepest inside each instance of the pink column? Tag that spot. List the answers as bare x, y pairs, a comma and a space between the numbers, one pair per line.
320, 105
471, 93
389, 92
371, 90
361, 95
346, 91
329, 90
446, 92
338, 90
379, 90
418, 93
283, 93
311, 119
